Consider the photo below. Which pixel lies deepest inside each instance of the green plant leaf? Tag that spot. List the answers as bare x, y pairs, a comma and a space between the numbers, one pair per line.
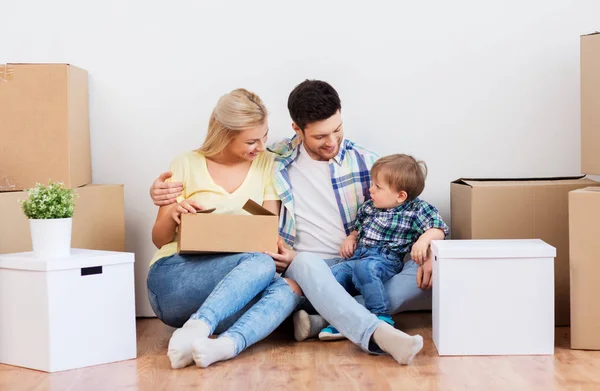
52, 201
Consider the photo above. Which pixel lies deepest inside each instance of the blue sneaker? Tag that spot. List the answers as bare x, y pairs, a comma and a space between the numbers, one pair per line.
330, 333
386, 318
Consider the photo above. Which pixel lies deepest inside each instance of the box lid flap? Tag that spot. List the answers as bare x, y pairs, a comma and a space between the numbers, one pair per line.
492, 182
254, 209
500, 248
79, 258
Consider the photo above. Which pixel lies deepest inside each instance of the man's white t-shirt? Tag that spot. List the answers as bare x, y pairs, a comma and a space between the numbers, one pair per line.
319, 226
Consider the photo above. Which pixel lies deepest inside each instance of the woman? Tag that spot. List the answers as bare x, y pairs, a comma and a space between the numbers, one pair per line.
202, 294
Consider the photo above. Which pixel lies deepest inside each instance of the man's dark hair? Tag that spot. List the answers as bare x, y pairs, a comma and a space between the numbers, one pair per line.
313, 101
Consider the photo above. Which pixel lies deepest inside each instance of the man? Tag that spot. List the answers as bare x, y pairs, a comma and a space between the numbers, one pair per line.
322, 179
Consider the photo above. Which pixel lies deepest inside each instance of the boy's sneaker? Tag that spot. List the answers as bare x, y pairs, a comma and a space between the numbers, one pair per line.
387, 319
330, 333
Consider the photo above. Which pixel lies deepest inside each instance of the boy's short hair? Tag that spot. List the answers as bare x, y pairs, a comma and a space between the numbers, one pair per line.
313, 101
402, 173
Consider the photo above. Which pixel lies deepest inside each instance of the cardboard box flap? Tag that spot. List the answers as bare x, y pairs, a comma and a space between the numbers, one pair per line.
36, 63
594, 33
254, 209
591, 189
489, 182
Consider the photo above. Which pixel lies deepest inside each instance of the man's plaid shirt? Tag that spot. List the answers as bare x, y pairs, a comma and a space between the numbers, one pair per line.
350, 177
399, 228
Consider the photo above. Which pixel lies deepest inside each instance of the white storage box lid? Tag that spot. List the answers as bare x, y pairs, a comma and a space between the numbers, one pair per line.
79, 258
498, 248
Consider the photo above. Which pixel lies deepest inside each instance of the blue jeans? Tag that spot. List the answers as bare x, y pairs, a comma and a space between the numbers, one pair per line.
237, 295
365, 273
346, 313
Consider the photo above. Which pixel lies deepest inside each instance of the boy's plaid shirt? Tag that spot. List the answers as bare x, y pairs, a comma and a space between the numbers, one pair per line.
350, 177
399, 228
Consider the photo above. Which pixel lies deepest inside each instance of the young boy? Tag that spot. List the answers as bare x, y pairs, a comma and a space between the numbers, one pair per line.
387, 226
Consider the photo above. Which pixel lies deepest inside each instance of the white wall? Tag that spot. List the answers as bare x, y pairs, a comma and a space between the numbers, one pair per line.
475, 88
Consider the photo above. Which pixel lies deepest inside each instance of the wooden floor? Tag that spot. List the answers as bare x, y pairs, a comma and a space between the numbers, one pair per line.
279, 363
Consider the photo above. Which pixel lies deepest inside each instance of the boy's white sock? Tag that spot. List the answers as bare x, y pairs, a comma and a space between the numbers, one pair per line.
180, 345
398, 344
307, 326
207, 351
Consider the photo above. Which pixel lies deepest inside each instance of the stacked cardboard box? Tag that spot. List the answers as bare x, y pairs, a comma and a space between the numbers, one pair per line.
519, 209
584, 208
45, 136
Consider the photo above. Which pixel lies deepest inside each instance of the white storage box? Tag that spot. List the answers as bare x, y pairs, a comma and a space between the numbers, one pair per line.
493, 297
69, 312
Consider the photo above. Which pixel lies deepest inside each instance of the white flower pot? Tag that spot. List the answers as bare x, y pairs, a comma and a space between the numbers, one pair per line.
51, 238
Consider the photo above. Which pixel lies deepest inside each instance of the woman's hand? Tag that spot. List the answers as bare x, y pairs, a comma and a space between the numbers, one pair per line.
284, 257
185, 206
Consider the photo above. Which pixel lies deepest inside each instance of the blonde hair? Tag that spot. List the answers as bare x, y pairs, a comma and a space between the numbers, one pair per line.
402, 173
236, 111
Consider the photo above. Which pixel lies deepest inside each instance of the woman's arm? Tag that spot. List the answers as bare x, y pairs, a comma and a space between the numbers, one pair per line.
163, 231
272, 206
168, 218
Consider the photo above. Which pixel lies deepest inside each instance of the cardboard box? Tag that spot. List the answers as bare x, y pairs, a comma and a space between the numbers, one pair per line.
98, 221
584, 233
205, 232
590, 104
473, 311
45, 130
519, 209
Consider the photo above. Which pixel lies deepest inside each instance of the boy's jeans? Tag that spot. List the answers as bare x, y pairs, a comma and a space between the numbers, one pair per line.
366, 272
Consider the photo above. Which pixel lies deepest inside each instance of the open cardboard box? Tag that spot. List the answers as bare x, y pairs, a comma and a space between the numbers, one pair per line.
205, 232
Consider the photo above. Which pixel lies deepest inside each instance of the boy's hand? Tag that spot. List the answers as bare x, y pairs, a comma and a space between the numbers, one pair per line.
348, 247
419, 250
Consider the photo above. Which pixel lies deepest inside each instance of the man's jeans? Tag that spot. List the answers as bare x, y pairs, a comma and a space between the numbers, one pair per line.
365, 273
343, 311
235, 294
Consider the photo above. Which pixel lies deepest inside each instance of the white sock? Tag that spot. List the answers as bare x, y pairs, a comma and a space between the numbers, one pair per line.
207, 351
398, 344
180, 345
307, 326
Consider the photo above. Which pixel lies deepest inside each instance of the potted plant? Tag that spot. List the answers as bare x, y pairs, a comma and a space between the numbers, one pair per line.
50, 211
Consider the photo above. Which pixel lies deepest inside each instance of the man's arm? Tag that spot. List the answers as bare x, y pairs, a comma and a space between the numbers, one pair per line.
165, 193
424, 275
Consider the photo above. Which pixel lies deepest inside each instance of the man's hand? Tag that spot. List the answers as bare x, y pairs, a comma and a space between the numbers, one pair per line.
165, 193
285, 256
424, 275
185, 206
348, 246
419, 250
